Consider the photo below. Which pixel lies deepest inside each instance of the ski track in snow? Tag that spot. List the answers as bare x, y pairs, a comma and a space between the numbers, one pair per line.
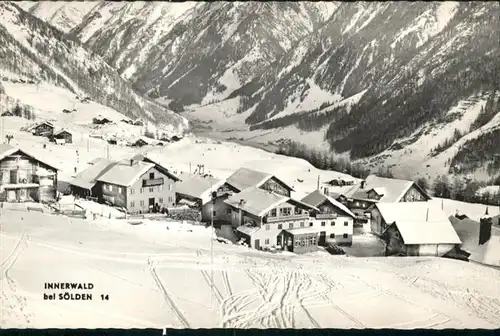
168, 299
11, 301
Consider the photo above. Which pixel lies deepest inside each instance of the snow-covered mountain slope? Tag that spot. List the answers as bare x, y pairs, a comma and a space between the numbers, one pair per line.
35, 50
412, 63
64, 15
165, 47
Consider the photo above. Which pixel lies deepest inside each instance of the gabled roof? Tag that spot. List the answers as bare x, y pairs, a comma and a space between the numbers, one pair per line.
418, 233
199, 187
317, 197
87, 178
148, 157
6, 150
44, 123
124, 174
62, 131
258, 202
392, 189
245, 178
468, 231
411, 211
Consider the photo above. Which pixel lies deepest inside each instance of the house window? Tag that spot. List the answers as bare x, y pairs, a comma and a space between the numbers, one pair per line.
298, 211
119, 190
228, 211
160, 200
151, 176
332, 235
323, 223
132, 204
346, 236
290, 226
140, 190
302, 242
346, 223
333, 223
301, 224
297, 243
313, 241
141, 203
280, 226
287, 211
214, 213
170, 187
151, 189
311, 224
266, 242
273, 213
268, 227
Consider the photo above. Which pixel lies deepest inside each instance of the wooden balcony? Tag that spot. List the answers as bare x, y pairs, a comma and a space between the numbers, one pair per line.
326, 216
152, 182
286, 218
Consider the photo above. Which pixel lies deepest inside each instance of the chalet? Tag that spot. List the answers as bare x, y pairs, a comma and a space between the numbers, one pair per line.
384, 214
266, 219
24, 177
140, 142
160, 166
335, 220
7, 114
196, 192
43, 129
416, 229
101, 121
138, 122
138, 186
480, 240
85, 183
63, 135
245, 178
376, 189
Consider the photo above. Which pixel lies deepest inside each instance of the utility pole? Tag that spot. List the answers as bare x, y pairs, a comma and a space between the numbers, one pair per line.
317, 187
212, 245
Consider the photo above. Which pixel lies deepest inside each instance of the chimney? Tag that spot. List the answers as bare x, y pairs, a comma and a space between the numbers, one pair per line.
485, 228
363, 184
131, 162
242, 201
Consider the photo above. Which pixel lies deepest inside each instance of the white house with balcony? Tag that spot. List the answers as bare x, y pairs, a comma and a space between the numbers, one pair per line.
261, 217
334, 220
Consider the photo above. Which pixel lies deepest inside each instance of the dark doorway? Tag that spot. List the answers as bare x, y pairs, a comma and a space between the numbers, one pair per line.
257, 244
152, 202
322, 238
13, 176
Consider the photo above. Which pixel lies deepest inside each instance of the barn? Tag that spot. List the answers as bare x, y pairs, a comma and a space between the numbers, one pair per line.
63, 135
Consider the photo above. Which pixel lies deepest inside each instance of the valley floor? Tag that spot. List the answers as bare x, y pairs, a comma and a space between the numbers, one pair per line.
159, 277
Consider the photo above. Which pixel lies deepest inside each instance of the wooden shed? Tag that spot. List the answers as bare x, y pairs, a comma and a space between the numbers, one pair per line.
64, 135
44, 129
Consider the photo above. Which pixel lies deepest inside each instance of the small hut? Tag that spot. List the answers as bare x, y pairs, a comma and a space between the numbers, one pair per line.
63, 135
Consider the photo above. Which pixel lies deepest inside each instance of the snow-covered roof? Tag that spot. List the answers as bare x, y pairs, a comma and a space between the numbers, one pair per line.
468, 231
417, 232
258, 201
88, 177
248, 230
6, 150
125, 174
245, 178
411, 211
317, 197
392, 189
199, 187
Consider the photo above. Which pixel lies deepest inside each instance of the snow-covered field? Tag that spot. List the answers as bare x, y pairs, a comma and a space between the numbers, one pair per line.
154, 277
